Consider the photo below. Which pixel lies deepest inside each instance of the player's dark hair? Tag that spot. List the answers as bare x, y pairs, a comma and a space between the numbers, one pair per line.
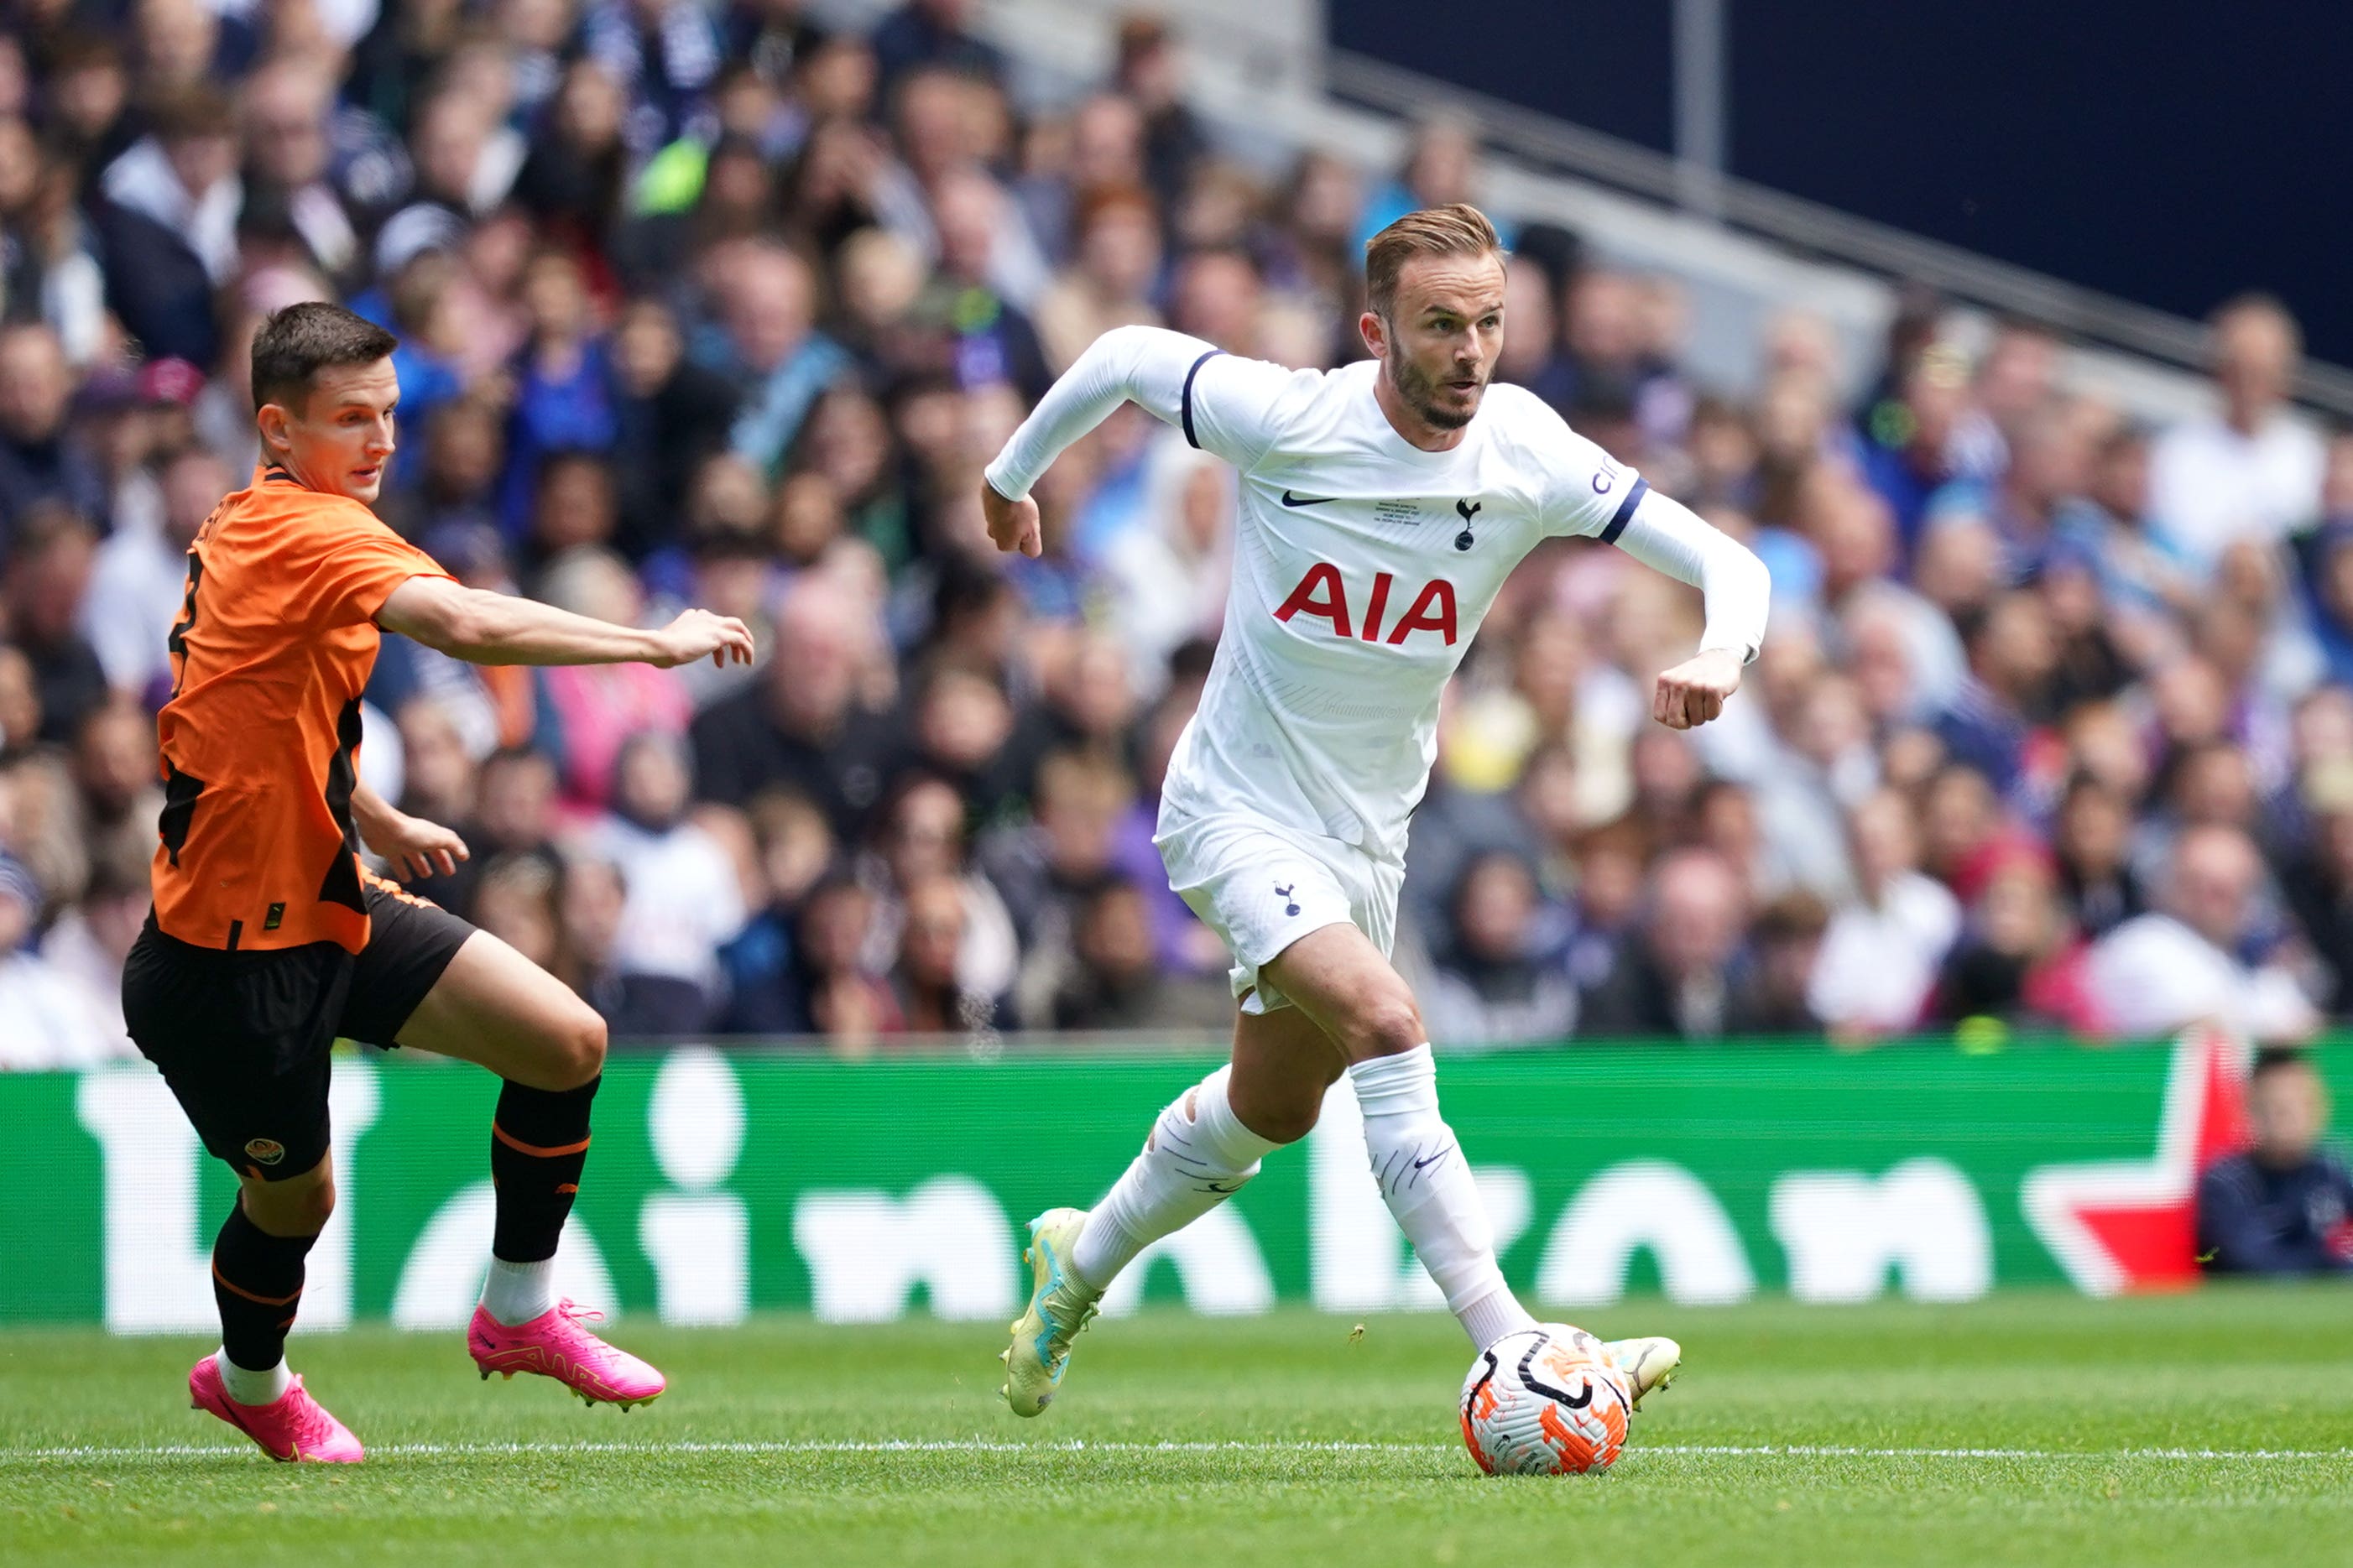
1456, 230
296, 343
2273, 1058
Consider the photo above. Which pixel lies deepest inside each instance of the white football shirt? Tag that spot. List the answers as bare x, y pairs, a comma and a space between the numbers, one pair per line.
1363, 567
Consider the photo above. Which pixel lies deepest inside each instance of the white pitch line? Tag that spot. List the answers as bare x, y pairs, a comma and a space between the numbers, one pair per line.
94, 1454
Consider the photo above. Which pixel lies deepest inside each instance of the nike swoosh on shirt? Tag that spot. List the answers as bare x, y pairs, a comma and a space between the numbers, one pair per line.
1290, 500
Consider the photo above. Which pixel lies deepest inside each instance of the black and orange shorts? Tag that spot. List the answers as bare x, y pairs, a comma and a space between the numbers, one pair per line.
244, 1037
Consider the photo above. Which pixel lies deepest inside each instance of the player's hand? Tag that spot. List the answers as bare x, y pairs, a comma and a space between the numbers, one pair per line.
415, 847
1695, 691
699, 633
1012, 524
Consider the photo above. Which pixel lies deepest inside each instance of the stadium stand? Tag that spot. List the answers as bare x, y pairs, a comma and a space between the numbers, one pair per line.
727, 305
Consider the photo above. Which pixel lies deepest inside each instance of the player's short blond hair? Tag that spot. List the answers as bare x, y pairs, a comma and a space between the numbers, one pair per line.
1457, 228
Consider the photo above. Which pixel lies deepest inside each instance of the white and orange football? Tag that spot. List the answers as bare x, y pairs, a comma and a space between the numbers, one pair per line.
1546, 1402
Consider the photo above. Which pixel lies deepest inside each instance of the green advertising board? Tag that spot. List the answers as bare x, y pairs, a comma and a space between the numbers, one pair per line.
726, 1183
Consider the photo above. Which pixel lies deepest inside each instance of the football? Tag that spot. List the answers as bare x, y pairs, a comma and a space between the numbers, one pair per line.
1546, 1402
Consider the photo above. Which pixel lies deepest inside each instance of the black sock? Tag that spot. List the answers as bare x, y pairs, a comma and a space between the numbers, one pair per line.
258, 1282
538, 1144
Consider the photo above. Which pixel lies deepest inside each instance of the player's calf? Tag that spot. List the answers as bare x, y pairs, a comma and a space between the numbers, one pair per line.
539, 1150
259, 1258
494, 1007
1198, 1154
1428, 1185
1338, 978
258, 1263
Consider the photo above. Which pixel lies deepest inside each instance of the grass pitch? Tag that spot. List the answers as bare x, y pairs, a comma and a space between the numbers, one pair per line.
2029, 1428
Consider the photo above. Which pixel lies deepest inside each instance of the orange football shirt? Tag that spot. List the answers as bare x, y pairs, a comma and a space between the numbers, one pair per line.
260, 740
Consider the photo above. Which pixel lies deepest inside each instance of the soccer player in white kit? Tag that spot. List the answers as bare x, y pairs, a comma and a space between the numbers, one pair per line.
1382, 505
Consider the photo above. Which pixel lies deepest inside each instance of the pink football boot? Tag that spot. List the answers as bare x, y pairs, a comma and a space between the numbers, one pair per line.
555, 1344
295, 1429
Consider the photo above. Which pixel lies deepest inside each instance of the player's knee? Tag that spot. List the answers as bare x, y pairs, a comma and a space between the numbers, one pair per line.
290, 1208
1386, 1023
582, 1056
1284, 1121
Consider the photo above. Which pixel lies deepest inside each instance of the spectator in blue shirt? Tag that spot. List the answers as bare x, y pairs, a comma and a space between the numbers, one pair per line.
563, 393
2284, 1206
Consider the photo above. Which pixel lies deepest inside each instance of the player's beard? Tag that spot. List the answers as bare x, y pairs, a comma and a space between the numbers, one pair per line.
1418, 390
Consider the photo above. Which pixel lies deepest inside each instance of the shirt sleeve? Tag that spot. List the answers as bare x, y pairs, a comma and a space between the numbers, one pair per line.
1229, 406
1588, 493
356, 571
1237, 408
1667, 536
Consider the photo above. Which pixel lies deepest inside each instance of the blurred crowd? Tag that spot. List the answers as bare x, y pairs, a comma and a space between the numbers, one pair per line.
703, 304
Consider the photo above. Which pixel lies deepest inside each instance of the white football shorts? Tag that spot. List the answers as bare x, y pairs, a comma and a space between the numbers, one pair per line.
1262, 887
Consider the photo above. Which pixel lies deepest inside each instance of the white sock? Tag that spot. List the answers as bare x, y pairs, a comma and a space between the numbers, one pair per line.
1198, 1155
249, 1387
516, 1293
1428, 1184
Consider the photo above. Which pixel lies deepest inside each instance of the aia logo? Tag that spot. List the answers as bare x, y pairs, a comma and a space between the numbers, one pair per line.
1323, 592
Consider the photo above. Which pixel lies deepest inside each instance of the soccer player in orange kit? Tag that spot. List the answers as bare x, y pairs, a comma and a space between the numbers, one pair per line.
269, 939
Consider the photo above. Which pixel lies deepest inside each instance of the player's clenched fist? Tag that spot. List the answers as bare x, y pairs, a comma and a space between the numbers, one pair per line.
699, 633
1012, 524
1693, 691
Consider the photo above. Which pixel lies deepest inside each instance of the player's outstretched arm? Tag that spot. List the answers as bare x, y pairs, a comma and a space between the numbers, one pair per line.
1145, 365
483, 627
1668, 537
415, 847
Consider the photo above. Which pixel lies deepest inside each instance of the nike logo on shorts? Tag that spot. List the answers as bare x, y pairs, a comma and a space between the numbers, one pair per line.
1290, 500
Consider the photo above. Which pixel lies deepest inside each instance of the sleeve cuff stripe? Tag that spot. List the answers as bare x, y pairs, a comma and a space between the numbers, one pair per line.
1186, 401
1617, 522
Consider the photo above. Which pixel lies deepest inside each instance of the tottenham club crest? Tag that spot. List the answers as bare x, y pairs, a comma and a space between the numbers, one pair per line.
1468, 510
